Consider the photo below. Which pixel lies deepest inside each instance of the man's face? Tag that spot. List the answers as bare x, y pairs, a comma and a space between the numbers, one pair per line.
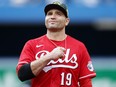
55, 20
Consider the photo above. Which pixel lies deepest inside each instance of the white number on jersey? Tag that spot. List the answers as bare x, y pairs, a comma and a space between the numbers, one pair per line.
66, 78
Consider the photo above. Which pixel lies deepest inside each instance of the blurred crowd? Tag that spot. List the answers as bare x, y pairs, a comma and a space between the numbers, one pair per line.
82, 2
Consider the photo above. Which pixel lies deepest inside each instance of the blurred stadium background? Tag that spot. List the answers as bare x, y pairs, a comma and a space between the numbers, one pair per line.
92, 21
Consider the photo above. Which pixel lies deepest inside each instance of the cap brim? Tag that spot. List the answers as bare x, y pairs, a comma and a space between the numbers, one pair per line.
53, 6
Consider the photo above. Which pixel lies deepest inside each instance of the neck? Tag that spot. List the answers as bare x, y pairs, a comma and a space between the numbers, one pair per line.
58, 36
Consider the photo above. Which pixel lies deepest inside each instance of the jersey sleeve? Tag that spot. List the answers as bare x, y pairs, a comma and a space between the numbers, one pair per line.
86, 67
26, 56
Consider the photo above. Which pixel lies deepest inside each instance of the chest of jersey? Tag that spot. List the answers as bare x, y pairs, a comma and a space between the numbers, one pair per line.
61, 72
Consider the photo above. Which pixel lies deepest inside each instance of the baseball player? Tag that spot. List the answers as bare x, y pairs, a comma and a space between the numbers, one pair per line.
55, 59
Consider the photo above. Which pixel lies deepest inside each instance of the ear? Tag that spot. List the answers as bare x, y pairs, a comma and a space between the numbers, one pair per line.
67, 21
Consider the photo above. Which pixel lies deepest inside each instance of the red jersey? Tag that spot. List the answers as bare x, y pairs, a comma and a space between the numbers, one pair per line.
65, 72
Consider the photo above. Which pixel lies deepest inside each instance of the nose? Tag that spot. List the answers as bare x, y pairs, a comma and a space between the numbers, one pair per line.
53, 16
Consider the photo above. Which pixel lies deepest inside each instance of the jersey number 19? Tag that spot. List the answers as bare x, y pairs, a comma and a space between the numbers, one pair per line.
66, 78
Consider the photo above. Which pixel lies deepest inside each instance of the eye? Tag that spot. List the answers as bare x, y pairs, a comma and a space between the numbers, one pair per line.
49, 13
59, 13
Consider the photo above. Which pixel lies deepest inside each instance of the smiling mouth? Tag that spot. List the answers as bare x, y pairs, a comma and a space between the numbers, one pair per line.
52, 21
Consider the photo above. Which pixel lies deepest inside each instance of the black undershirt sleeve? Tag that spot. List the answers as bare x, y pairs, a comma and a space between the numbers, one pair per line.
25, 72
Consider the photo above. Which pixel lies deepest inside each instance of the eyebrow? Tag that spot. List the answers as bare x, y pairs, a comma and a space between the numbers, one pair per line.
57, 11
